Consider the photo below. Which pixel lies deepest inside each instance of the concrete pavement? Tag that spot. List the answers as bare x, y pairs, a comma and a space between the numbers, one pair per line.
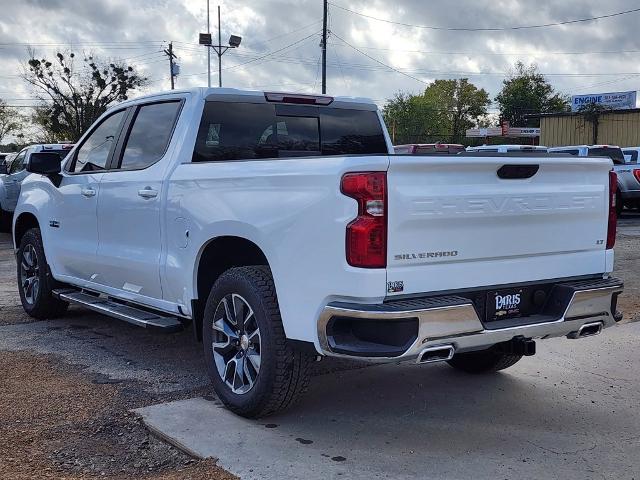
572, 412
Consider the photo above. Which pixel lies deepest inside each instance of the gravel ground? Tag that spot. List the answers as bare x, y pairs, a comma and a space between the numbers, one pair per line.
85, 372
64, 423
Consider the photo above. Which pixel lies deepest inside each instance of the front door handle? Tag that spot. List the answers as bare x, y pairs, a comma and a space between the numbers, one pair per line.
148, 192
88, 192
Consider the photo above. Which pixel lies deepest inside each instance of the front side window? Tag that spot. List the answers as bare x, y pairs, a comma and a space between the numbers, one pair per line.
94, 152
18, 163
149, 137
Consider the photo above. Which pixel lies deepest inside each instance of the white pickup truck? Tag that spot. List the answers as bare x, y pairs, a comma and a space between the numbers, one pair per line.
282, 229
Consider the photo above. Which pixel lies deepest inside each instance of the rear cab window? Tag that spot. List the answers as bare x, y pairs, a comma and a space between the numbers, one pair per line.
248, 131
575, 152
614, 154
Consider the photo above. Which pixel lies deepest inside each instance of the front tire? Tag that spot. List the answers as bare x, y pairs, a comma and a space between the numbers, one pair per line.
483, 361
253, 369
35, 282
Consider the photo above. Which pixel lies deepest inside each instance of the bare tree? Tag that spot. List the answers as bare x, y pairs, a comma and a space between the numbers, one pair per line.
73, 97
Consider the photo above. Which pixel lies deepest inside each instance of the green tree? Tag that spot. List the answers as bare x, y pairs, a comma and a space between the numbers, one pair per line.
443, 112
526, 92
74, 97
459, 103
11, 121
409, 119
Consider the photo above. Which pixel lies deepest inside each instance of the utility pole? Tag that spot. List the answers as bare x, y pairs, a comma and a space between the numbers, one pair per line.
219, 51
172, 71
208, 50
324, 48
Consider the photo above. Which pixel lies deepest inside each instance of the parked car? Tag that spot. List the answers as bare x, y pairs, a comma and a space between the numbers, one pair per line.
508, 148
10, 183
9, 159
3, 163
429, 149
280, 228
628, 177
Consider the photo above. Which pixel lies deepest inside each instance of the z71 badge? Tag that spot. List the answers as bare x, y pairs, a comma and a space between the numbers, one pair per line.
395, 287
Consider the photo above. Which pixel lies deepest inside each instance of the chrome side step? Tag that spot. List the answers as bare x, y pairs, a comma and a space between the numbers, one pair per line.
115, 309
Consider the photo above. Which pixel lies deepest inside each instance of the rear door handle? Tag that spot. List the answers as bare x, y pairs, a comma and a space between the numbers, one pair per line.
148, 192
88, 192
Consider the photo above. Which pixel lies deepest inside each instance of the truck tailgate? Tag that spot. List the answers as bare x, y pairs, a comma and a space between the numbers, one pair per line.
454, 223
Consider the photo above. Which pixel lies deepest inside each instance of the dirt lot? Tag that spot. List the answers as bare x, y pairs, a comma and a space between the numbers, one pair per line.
68, 385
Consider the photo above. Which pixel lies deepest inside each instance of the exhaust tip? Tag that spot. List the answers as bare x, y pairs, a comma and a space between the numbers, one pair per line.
587, 330
440, 353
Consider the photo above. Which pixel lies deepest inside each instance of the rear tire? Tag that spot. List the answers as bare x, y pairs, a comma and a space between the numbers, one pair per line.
483, 361
35, 282
253, 369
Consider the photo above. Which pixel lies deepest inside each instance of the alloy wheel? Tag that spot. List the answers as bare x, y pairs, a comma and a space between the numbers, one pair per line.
236, 343
30, 274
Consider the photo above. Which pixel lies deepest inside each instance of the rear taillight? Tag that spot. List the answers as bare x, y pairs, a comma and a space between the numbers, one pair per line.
636, 173
613, 216
366, 244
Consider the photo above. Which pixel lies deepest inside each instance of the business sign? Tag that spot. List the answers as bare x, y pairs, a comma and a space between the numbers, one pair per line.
503, 132
614, 100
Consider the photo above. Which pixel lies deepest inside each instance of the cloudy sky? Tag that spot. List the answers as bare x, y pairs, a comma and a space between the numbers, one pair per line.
280, 47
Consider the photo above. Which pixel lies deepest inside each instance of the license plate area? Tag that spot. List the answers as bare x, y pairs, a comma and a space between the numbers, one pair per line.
508, 303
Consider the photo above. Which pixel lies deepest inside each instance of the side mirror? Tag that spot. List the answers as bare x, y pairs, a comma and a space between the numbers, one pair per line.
44, 163
3, 168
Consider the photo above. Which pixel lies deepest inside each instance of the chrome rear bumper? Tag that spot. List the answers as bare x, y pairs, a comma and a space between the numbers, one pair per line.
454, 321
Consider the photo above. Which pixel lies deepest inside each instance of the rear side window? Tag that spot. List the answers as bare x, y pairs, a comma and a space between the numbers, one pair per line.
246, 131
94, 152
150, 134
614, 154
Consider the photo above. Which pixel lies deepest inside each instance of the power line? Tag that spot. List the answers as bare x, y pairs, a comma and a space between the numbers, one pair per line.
27, 44
381, 63
489, 29
482, 53
385, 67
273, 52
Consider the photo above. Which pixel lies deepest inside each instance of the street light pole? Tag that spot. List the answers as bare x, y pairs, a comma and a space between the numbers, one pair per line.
205, 40
324, 48
208, 51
